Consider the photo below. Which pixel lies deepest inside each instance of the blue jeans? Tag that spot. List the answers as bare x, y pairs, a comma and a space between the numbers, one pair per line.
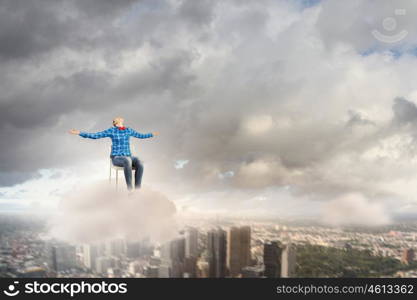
123, 161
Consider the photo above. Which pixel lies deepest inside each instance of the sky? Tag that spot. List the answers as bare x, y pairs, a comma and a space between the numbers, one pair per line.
284, 108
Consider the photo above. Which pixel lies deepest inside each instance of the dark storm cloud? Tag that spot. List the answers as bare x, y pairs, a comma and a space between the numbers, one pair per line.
197, 12
405, 119
41, 104
30, 28
102, 8
405, 112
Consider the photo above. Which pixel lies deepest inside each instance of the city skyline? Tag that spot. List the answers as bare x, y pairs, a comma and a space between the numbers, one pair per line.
276, 250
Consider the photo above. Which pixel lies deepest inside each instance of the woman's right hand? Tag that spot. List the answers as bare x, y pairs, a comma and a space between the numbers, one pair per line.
74, 131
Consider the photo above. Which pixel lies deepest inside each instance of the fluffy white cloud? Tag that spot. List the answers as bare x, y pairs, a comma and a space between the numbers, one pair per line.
108, 214
354, 209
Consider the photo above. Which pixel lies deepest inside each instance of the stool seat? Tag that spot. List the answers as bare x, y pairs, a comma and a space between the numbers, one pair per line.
117, 169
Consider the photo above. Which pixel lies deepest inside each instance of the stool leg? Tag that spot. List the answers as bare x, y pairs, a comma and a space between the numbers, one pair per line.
117, 179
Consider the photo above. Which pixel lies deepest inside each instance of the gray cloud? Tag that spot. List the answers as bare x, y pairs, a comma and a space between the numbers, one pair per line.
356, 119
197, 13
38, 27
405, 112
10, 178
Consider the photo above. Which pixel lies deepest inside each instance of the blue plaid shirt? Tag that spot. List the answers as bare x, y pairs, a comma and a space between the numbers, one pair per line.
120, 139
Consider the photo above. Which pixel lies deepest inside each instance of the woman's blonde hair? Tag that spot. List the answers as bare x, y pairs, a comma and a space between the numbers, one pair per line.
117, 120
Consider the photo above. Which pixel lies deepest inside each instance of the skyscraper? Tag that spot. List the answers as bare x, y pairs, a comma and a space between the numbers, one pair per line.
288, 261
238, 249
163, 271
151, 271
216, 248
103, 264
173, 256
272, 259
177, 257
63, 257
90, 254
190, 267
233, 251
133, 249
191, 242
408, 256
245, 246
116, 247
178, 249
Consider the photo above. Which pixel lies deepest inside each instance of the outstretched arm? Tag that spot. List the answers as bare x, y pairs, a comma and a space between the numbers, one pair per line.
97, 135
142, 135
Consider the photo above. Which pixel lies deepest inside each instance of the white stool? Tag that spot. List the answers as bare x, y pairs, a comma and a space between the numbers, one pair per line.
117, 169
